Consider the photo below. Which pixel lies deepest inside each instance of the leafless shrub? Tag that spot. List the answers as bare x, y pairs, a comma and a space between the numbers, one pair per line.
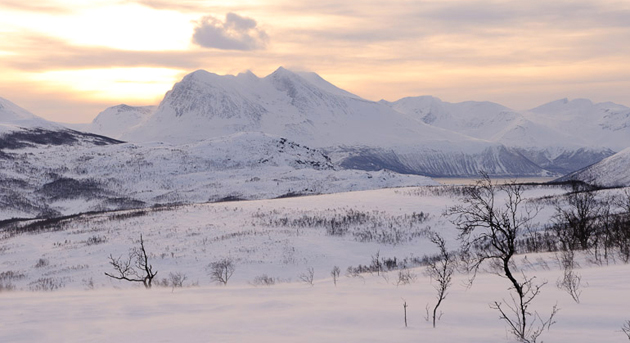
371, 226
89, 283
11, 275
263, 280
405, 277
46, 284
308, 276
177, 279
6, 286
335, 274
441, 271
221, 271
514, 313
42, 262
94, 240
570, 281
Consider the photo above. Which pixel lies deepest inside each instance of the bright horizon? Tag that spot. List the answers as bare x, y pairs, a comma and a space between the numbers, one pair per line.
67, 60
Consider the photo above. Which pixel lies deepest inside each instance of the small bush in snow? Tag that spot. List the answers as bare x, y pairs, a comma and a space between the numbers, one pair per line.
46, 284
94, 240
263, 280
11, 275
177, 279
405, 277
335, 274
308, 276
42, 262
6, 286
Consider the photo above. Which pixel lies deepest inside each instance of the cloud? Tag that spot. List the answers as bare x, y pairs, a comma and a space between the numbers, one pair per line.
235, 33
181, 5
35, 7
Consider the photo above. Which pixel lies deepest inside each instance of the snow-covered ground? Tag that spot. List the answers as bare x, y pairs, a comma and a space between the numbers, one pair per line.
357, 310
270, 237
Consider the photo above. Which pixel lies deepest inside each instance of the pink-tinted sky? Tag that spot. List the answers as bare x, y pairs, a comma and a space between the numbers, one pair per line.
68, 60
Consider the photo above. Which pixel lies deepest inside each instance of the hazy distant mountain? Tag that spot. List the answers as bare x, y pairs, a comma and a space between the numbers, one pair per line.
610, 172
541, 135
593, 125
116, 121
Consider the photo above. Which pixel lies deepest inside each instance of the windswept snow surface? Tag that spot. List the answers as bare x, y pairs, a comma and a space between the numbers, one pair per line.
259, 237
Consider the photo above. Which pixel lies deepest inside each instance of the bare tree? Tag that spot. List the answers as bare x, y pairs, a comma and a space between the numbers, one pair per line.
440, 270
221, 271
135, 268
626, 328
308, 276
488, 232
335, 274
576, 223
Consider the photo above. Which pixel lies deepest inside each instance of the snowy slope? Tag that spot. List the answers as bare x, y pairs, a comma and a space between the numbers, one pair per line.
241, 166
20, 128
611, 172
117, 120
593, 124
13, 117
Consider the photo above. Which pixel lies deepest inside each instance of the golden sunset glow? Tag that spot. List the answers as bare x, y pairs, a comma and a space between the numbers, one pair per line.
64, 60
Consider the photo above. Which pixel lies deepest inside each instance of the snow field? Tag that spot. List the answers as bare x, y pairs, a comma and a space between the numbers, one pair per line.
357, 310
368, 308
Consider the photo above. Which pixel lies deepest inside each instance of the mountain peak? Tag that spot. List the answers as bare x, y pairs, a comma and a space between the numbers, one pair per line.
10, 112
247, 75
562, 104
281, 73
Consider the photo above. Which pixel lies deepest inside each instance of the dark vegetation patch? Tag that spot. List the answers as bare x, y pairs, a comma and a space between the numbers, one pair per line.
230, 198
68, 188
291, 195
38, 136
370, 226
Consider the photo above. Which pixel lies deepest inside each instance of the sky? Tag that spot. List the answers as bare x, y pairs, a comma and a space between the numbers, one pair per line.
67, 60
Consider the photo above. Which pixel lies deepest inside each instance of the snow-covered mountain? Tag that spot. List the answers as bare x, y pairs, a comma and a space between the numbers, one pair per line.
613, 171
240, 166
284, 103
305, 108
